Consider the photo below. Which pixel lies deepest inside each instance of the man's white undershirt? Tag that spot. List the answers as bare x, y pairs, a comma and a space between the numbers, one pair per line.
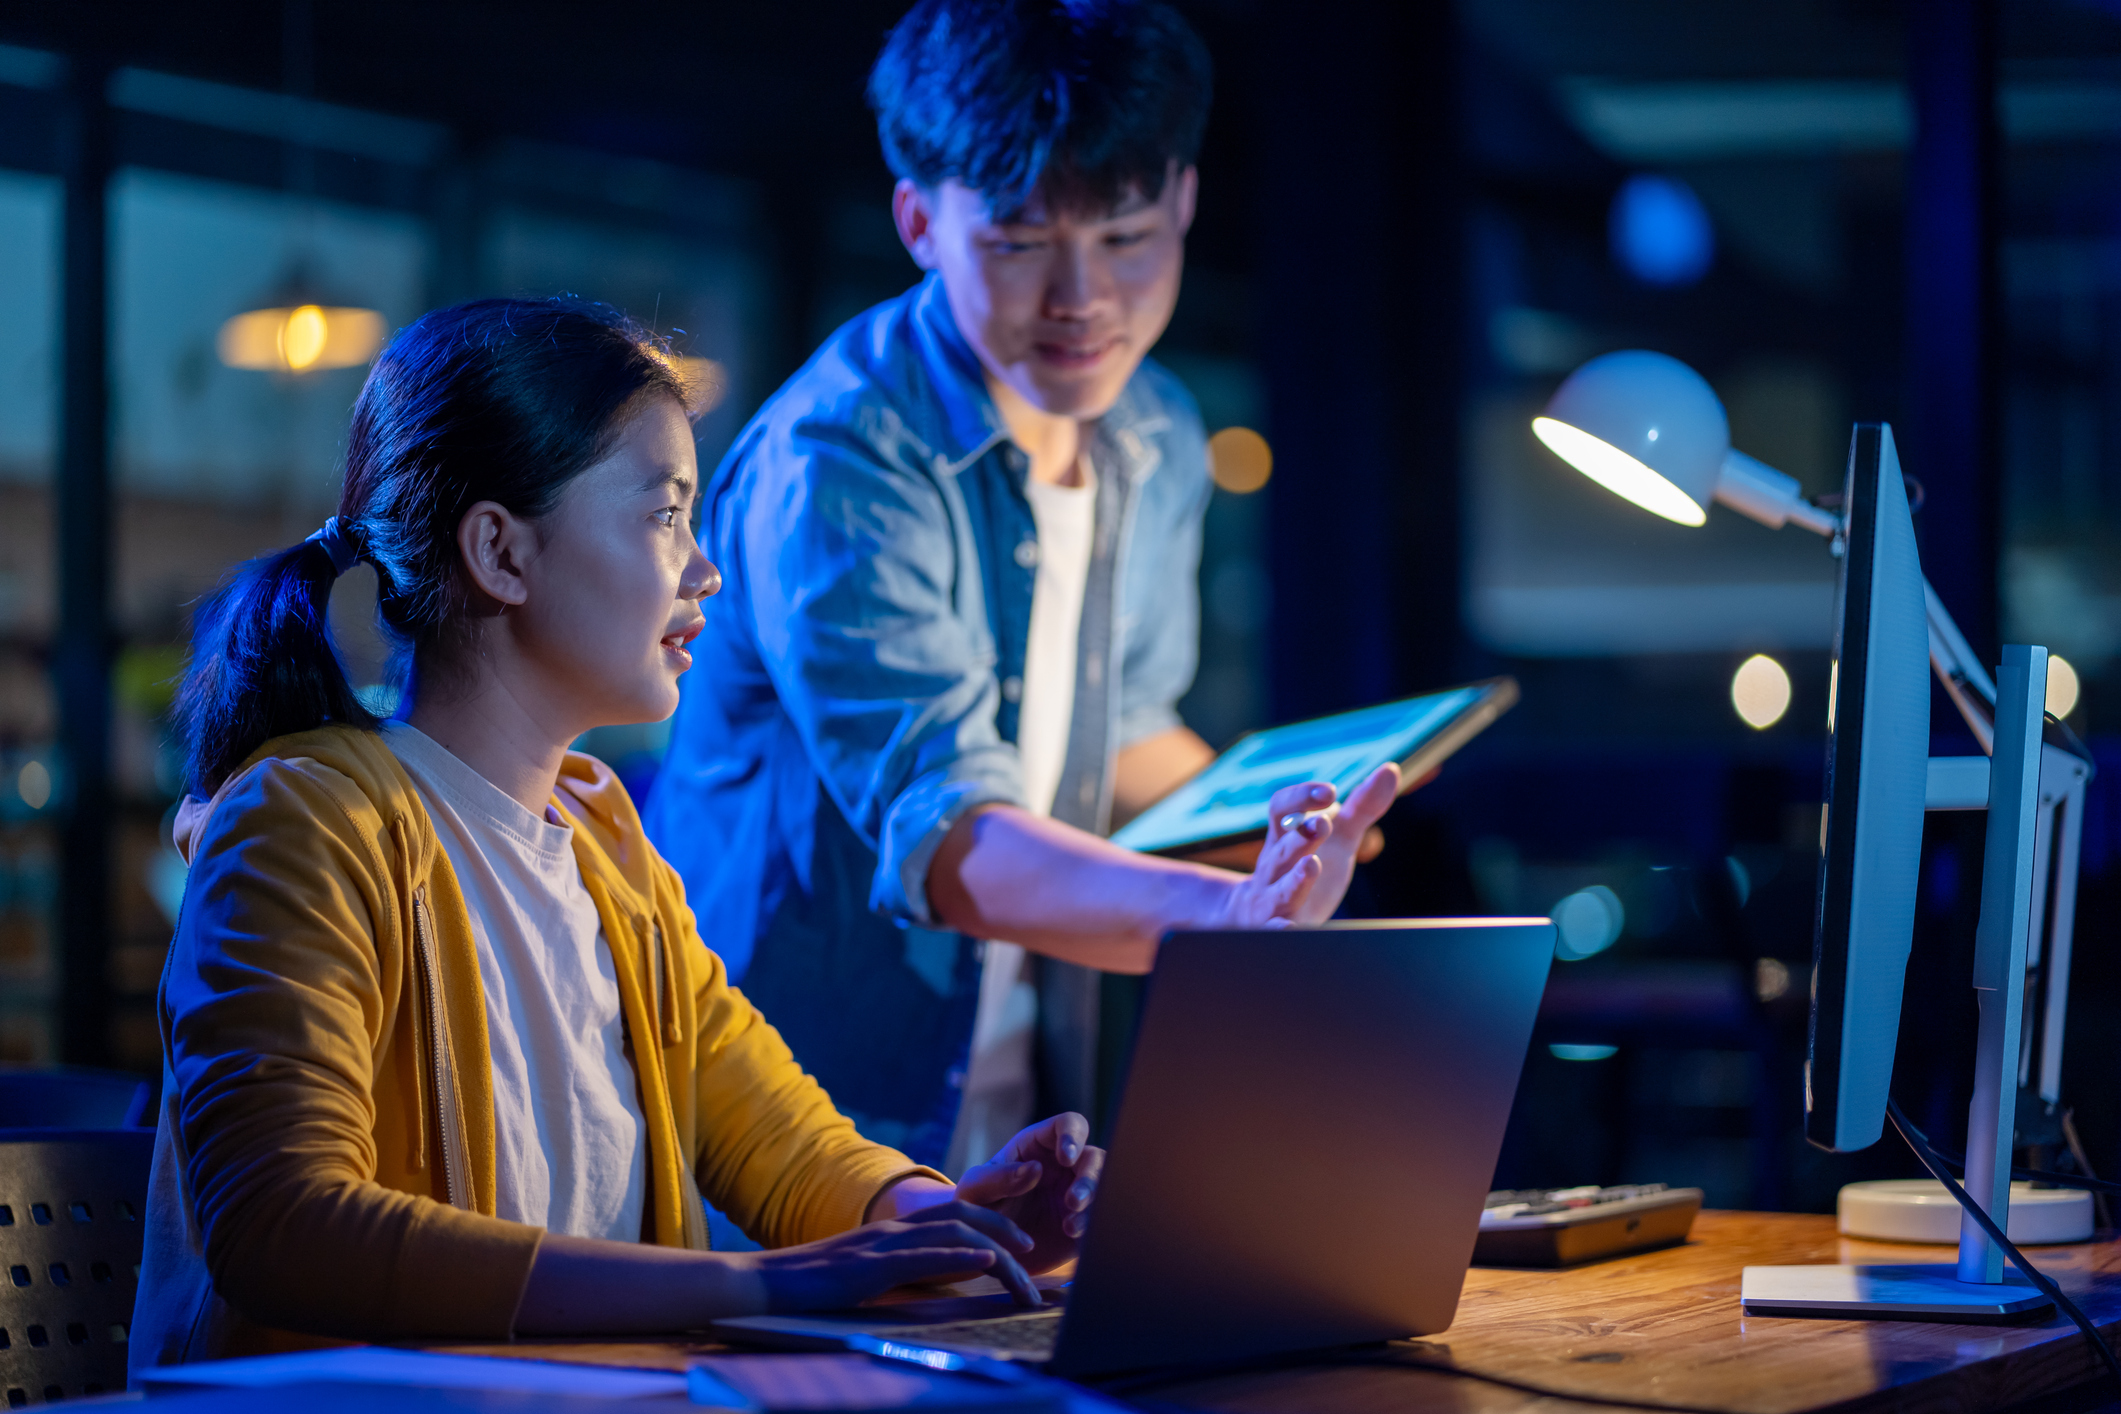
1066, 518
998, 1092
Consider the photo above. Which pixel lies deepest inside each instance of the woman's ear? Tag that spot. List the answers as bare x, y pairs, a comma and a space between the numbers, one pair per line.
496, 545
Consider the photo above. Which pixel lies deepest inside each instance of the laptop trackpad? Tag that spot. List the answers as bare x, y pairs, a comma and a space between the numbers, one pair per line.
939, 1309
821, 1330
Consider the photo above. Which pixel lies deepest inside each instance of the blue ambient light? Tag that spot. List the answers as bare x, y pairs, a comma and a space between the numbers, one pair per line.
1587, 922
922, 1355
1562, 1051
1660, 231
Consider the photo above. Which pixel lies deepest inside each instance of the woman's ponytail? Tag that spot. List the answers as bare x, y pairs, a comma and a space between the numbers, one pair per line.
262, 661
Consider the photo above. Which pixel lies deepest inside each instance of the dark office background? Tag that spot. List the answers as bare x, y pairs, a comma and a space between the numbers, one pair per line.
1415, 219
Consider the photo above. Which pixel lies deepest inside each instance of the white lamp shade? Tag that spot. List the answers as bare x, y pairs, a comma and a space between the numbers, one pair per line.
1644, 426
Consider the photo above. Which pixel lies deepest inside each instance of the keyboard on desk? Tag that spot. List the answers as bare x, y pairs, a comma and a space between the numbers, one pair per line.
1032, 1336
1565, 1205
1555, 1227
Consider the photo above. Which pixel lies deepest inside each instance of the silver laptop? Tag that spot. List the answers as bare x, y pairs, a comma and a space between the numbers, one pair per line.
1309, 1126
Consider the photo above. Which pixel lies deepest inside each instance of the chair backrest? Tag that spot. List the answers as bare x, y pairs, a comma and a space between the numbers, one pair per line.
73, 1097
73, 1205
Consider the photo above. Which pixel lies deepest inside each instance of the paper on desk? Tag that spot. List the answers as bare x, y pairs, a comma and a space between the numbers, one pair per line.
380, 1365
814, 1382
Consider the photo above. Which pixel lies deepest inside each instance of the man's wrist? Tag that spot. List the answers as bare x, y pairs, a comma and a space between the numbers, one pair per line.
1199, 898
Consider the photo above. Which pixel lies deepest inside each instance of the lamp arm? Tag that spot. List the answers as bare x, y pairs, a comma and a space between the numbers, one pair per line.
1959, 671
1754, 489
1973, 692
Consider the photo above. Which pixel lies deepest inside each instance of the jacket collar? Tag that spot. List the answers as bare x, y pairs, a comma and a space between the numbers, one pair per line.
589, 793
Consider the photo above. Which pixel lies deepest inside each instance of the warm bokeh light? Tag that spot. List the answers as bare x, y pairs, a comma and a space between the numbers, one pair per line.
302, 336
2063, 686
1240, 460
706, 384
34, 784
1760, 690
1618, 472
305, 338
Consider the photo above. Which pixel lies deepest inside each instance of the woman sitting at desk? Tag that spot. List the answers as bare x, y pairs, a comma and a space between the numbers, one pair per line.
444, 1053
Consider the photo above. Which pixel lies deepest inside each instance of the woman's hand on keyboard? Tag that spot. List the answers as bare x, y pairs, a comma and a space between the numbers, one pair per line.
1043, 1180
952, 1241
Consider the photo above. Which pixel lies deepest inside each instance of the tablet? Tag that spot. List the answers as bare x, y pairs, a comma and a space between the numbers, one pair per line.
1227, 802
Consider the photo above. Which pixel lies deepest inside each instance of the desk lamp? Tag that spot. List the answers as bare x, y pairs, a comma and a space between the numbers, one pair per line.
1650, 429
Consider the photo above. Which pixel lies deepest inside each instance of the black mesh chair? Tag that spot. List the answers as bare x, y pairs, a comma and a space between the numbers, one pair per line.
73, 1097
73, 1203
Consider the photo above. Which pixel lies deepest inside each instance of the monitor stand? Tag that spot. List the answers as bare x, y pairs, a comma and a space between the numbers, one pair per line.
1977, 1289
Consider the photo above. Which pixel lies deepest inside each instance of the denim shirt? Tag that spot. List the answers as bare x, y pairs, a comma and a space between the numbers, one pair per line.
856, 689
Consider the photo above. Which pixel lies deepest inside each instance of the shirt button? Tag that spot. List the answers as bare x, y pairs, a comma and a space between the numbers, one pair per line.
1088, 794
1013, 689
1027, 553
1095, 672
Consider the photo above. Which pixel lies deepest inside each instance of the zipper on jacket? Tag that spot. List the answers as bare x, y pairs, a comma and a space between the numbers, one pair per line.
454, 1179
666, 979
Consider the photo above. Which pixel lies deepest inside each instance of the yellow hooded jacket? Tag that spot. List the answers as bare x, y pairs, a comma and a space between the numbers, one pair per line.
325, 1167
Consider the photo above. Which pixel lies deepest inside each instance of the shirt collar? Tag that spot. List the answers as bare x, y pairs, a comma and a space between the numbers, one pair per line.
970, 425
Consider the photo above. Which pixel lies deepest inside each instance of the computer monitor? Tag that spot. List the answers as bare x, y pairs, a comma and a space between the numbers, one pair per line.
1877, 768
1877, 792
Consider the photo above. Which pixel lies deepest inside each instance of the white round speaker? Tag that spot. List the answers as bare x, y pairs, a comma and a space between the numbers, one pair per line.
1919, 1210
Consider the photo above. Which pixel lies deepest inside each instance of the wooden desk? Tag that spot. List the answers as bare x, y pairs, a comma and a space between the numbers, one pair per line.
1659, 1330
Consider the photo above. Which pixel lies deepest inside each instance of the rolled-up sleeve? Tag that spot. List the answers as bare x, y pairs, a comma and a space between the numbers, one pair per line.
867, 604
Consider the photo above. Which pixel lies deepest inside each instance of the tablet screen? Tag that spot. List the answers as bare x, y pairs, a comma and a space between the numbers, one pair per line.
1230, 797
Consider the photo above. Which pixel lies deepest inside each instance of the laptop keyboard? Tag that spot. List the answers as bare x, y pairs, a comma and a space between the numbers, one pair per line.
1030, 1337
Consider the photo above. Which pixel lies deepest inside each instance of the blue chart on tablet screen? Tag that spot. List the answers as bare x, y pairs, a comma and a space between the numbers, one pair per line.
1230, 797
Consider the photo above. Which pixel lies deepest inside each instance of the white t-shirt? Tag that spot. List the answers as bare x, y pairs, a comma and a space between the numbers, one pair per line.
998, 1092
569, 1142
1066, 517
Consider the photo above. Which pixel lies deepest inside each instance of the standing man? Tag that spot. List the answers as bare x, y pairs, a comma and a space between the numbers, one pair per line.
959, 553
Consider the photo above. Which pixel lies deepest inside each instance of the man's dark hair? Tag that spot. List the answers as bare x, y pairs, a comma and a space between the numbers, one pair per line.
1083, 98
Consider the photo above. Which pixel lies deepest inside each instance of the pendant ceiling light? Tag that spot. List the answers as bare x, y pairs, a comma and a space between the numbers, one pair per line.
301, 337
299, 330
